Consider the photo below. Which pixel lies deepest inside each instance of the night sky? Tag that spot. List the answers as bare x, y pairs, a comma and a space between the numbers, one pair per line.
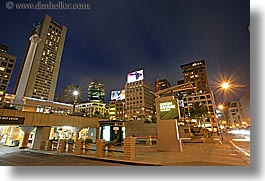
116, 37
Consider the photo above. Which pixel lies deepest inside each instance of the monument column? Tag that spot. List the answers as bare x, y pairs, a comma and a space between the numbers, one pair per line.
18, 101
167, 127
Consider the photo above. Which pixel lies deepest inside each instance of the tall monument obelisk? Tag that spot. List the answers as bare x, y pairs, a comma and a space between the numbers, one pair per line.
34, 40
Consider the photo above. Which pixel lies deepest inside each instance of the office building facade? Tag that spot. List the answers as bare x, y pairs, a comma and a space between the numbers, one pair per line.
116, 108
139, 99
195, 72
7, 64
245, 105
92, 109
42, 80
96, 91
235, 114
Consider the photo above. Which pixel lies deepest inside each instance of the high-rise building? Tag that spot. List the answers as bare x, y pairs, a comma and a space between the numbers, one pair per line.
117, 109
95, 91
206, 99
7, 63
195, 72
117, 105
235, 114
139, 97
245, 105
42, 79
161, 84
3, 48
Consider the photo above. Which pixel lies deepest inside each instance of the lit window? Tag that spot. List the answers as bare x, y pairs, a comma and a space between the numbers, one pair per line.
2, 68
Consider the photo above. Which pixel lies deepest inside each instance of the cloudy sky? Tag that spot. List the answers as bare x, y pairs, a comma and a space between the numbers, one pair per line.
116, 37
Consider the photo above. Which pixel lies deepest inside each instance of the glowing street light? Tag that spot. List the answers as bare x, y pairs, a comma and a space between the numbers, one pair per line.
221, 107
75, 93
225, 85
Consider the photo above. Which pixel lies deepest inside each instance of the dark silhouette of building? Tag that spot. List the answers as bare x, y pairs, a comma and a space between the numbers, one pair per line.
161, 84
67, 94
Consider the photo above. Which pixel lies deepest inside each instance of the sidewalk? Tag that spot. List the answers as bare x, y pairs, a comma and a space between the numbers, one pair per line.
210, 153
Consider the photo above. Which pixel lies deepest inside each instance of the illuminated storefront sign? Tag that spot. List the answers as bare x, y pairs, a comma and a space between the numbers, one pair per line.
118, 95
169, 109
11, 120
135, 76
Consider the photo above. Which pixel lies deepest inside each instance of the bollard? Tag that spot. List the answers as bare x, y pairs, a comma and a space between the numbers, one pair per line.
100, 147
148, 141
61, 146
87, 147
110, 150
54, 145
70, 147
129, 148
48, 145
78, 147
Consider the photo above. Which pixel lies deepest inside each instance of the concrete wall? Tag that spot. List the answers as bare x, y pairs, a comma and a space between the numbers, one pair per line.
139, 128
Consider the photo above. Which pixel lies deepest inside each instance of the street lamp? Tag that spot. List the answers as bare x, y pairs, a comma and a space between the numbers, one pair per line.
220, 106
75, 93
225, 85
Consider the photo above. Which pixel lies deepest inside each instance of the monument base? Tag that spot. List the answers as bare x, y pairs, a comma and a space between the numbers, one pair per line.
167, 136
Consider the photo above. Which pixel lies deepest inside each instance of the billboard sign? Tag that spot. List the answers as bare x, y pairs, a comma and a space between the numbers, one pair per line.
95, 93
135, 76
118, 95
169, 109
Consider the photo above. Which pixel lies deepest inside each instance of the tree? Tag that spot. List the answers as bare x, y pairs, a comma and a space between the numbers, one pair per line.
97, 114
199, 111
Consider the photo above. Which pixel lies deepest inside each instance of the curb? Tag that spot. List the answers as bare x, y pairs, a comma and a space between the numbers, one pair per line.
127, 162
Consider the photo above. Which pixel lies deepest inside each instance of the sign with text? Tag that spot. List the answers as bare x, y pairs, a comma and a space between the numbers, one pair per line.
11, 120
169, 109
